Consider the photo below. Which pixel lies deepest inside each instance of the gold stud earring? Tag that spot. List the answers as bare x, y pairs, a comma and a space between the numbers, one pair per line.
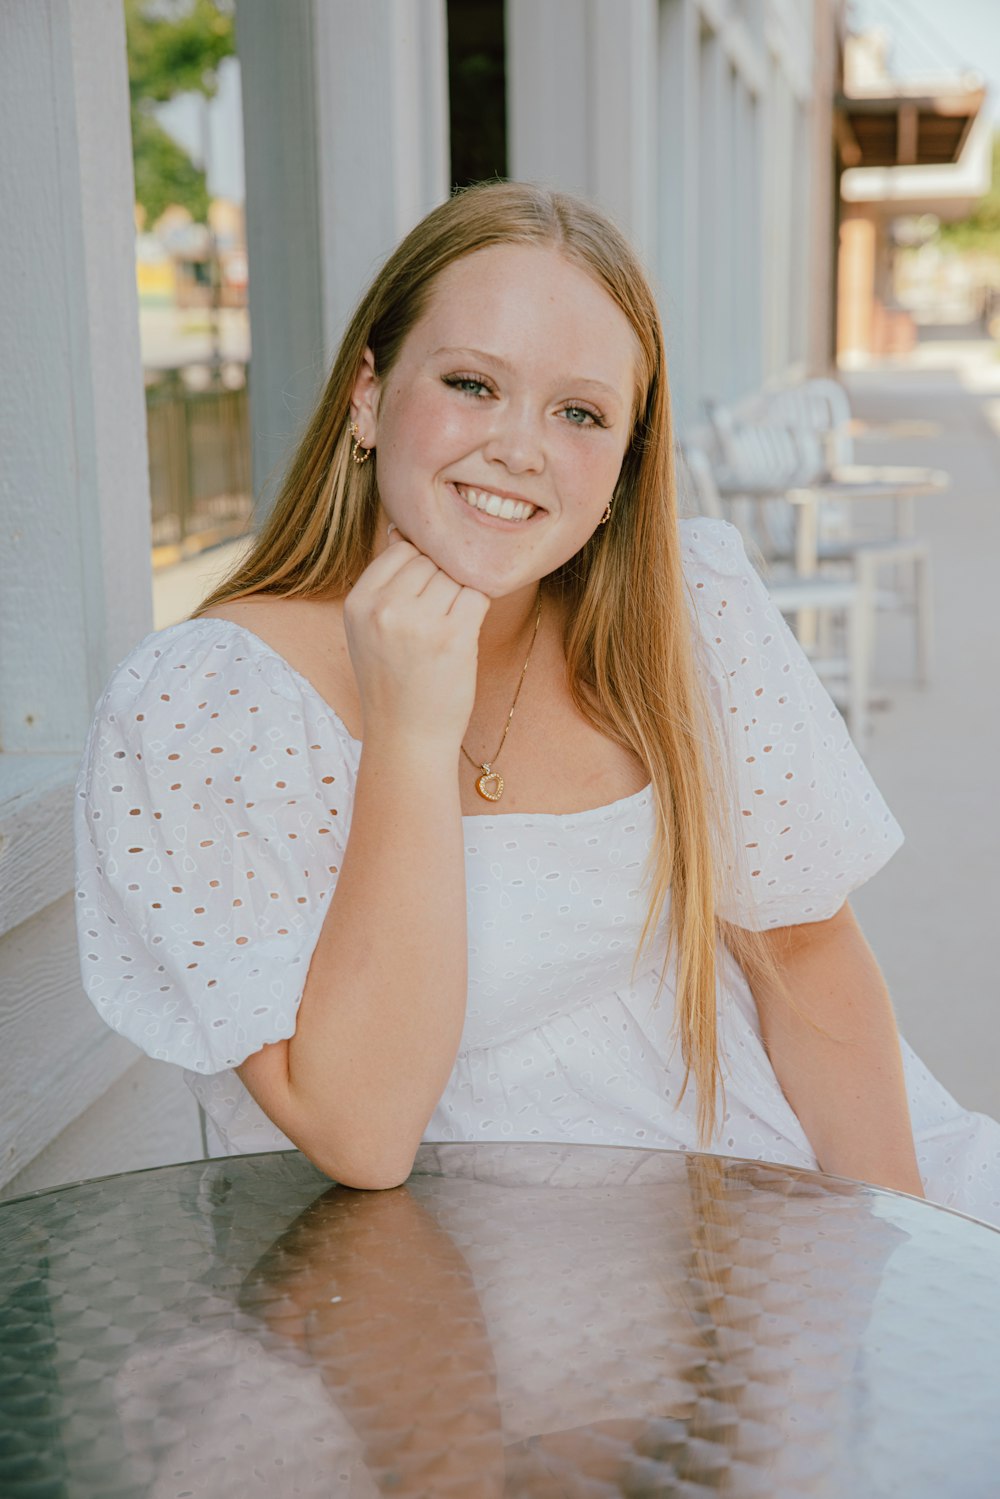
358, 446
606, 516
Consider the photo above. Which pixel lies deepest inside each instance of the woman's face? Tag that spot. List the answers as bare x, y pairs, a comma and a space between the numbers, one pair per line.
501, 429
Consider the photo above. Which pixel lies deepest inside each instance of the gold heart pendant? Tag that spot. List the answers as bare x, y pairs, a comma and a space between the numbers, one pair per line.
492, 792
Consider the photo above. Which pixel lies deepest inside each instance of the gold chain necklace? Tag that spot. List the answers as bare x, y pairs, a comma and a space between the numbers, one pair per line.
490, 783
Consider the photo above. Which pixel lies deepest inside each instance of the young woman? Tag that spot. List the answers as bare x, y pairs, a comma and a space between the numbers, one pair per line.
486, 800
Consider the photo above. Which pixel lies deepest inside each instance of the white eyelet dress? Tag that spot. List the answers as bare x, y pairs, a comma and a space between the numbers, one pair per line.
213, 808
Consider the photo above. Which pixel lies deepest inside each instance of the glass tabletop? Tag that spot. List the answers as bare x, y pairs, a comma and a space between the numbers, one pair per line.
516, 1320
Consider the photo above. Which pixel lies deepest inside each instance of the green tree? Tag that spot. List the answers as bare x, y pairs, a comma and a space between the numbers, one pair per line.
174, 47
981, 230
164, 172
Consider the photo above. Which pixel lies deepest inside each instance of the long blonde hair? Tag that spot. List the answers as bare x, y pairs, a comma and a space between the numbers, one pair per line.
628, 641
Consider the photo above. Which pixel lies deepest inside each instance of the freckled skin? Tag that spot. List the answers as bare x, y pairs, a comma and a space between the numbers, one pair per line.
555, 357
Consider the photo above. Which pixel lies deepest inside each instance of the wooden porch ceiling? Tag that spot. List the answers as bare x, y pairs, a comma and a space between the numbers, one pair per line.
905, 130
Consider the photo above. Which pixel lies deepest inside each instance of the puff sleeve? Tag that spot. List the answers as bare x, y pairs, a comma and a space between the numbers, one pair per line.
212, 809
813, 825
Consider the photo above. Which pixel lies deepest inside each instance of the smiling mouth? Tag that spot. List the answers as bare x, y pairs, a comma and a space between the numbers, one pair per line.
493, 504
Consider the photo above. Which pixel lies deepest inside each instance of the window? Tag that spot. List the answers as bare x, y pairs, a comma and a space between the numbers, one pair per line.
477, 86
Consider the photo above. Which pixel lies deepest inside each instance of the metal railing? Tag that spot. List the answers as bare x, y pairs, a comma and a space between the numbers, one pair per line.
199, 458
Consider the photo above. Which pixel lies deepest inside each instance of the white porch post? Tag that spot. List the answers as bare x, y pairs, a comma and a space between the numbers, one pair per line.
282, 227
346, 126
582, 105
75, 589
75, 586
678, 261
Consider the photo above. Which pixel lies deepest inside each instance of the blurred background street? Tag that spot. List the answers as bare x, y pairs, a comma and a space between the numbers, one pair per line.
931, 913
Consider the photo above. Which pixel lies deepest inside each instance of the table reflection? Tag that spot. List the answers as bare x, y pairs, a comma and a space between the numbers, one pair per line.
515, 1320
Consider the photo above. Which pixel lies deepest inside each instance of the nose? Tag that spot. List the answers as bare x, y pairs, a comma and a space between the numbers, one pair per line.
516, 441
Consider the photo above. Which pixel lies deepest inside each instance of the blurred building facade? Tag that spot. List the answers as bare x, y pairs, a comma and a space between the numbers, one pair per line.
915, 149
706, 128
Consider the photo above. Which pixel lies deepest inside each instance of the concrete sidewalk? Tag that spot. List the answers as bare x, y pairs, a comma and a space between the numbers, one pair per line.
933, 752
180, 588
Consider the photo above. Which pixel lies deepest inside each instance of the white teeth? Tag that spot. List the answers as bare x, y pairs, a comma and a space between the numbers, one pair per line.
491, 504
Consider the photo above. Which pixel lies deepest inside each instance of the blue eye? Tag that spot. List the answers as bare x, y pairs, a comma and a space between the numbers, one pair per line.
469, 385
481, 390
576, 412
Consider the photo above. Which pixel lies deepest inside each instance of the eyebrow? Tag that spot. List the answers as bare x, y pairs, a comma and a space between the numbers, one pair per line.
505, 364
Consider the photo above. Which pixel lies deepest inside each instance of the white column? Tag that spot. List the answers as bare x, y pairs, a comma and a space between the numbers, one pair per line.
746, 241
75, 579
383, 157
724, 250
801, 232
790, 225
680, 184
778, 220
713, 250
821, 271
581, 105
288, 353
345, 109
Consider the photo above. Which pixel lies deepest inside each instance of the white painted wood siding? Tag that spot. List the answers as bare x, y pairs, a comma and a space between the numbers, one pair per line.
345, 122
74, 506
691, 122
146, 1118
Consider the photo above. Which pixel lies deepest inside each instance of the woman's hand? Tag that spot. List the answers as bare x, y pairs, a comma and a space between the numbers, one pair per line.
413, 636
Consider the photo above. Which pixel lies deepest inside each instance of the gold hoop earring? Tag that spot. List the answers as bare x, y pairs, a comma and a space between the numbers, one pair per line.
606, 516
358, 446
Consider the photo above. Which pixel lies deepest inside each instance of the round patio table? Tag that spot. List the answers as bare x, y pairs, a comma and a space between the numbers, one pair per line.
516, 1320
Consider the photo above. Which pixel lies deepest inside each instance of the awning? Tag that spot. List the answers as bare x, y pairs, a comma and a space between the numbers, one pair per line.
905, 129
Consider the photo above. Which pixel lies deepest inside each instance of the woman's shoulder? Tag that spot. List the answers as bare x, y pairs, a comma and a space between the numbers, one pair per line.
211, 683
709, 544
726, 593
307, 639
197, 656
286, 648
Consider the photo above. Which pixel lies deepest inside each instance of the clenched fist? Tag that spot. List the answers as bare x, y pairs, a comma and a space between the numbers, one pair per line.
413, 637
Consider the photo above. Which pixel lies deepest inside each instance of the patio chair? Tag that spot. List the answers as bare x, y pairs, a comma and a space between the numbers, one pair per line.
821, 407
830, 598
805, 513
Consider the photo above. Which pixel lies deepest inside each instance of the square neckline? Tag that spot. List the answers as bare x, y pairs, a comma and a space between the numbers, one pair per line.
600, 813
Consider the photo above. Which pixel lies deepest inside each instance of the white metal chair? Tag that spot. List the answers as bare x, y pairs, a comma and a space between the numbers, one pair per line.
793, 594
805, 514
821, 407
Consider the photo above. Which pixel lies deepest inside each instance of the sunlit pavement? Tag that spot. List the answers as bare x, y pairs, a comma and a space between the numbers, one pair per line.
932, 913
179, 589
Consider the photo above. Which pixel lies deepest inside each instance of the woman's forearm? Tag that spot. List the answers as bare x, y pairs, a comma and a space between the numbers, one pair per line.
384, 1002
847, 1088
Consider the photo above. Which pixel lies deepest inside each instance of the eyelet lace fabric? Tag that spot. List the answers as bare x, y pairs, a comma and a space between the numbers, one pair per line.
213, 808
